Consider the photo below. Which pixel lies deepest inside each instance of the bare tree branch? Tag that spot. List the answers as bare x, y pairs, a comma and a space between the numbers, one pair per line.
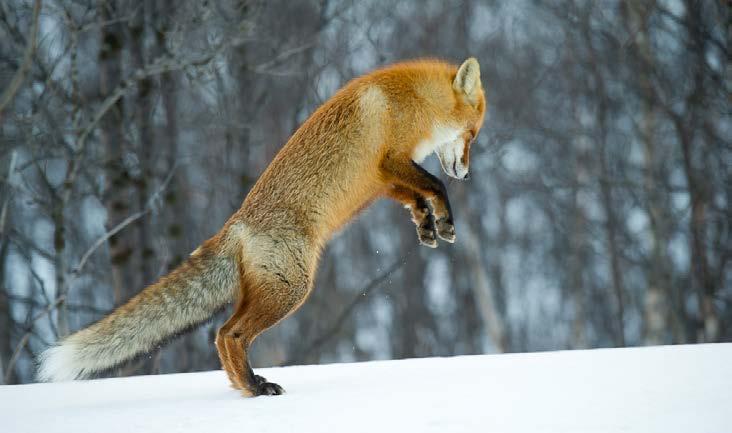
127, 221
22, 71
24, 340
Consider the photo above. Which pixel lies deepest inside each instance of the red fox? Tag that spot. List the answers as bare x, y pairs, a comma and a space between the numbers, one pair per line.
363, 143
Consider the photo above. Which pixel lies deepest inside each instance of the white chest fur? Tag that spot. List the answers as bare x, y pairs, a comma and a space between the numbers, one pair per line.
440, 136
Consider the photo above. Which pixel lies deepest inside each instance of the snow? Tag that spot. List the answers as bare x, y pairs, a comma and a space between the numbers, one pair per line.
655, 389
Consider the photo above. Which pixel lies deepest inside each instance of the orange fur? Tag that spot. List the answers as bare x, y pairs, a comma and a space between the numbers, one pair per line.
356, 147
359, 146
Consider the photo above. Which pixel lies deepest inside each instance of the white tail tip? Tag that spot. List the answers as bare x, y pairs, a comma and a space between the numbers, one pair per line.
58, 364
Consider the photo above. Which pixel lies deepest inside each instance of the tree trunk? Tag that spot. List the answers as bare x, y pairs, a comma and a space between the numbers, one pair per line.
611, 225
484, 288
698, 189
657, 297
144, 147
120, 191
6, 323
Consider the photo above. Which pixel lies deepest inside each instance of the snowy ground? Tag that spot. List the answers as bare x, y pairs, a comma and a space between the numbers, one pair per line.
661, 389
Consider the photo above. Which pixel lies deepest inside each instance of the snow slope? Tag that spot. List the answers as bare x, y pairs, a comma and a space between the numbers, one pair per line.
659, 389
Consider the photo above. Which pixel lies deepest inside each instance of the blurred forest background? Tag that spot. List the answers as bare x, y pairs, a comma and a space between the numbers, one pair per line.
597, 214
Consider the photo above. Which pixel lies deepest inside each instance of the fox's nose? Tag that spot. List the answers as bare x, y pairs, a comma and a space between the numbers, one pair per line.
467, 176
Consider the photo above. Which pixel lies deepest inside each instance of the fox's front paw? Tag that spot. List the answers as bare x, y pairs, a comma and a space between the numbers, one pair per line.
446, 229
269, 388
427, 233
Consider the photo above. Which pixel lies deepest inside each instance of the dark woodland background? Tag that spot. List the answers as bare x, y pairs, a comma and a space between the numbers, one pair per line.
597, 214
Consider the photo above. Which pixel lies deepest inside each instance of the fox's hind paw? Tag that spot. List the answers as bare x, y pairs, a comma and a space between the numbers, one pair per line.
268, 388
259, 379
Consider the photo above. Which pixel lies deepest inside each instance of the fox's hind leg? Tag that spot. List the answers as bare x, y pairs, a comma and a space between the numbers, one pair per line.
232, 348
269, 294
422, 215
232, 342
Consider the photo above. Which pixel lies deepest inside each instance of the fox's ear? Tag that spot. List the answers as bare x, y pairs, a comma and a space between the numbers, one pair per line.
467, 79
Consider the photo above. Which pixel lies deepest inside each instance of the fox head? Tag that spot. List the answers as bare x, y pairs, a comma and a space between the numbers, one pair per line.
468, 115
453, 134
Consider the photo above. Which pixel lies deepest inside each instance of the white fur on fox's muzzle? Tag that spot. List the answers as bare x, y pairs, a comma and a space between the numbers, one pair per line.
450, 155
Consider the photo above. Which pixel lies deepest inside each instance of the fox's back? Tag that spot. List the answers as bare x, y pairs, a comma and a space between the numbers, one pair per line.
329, 169
326, 171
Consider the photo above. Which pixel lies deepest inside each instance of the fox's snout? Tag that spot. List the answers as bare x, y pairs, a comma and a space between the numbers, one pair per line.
453, 158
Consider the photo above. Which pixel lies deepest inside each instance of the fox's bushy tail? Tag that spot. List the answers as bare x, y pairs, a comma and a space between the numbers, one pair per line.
186, 297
